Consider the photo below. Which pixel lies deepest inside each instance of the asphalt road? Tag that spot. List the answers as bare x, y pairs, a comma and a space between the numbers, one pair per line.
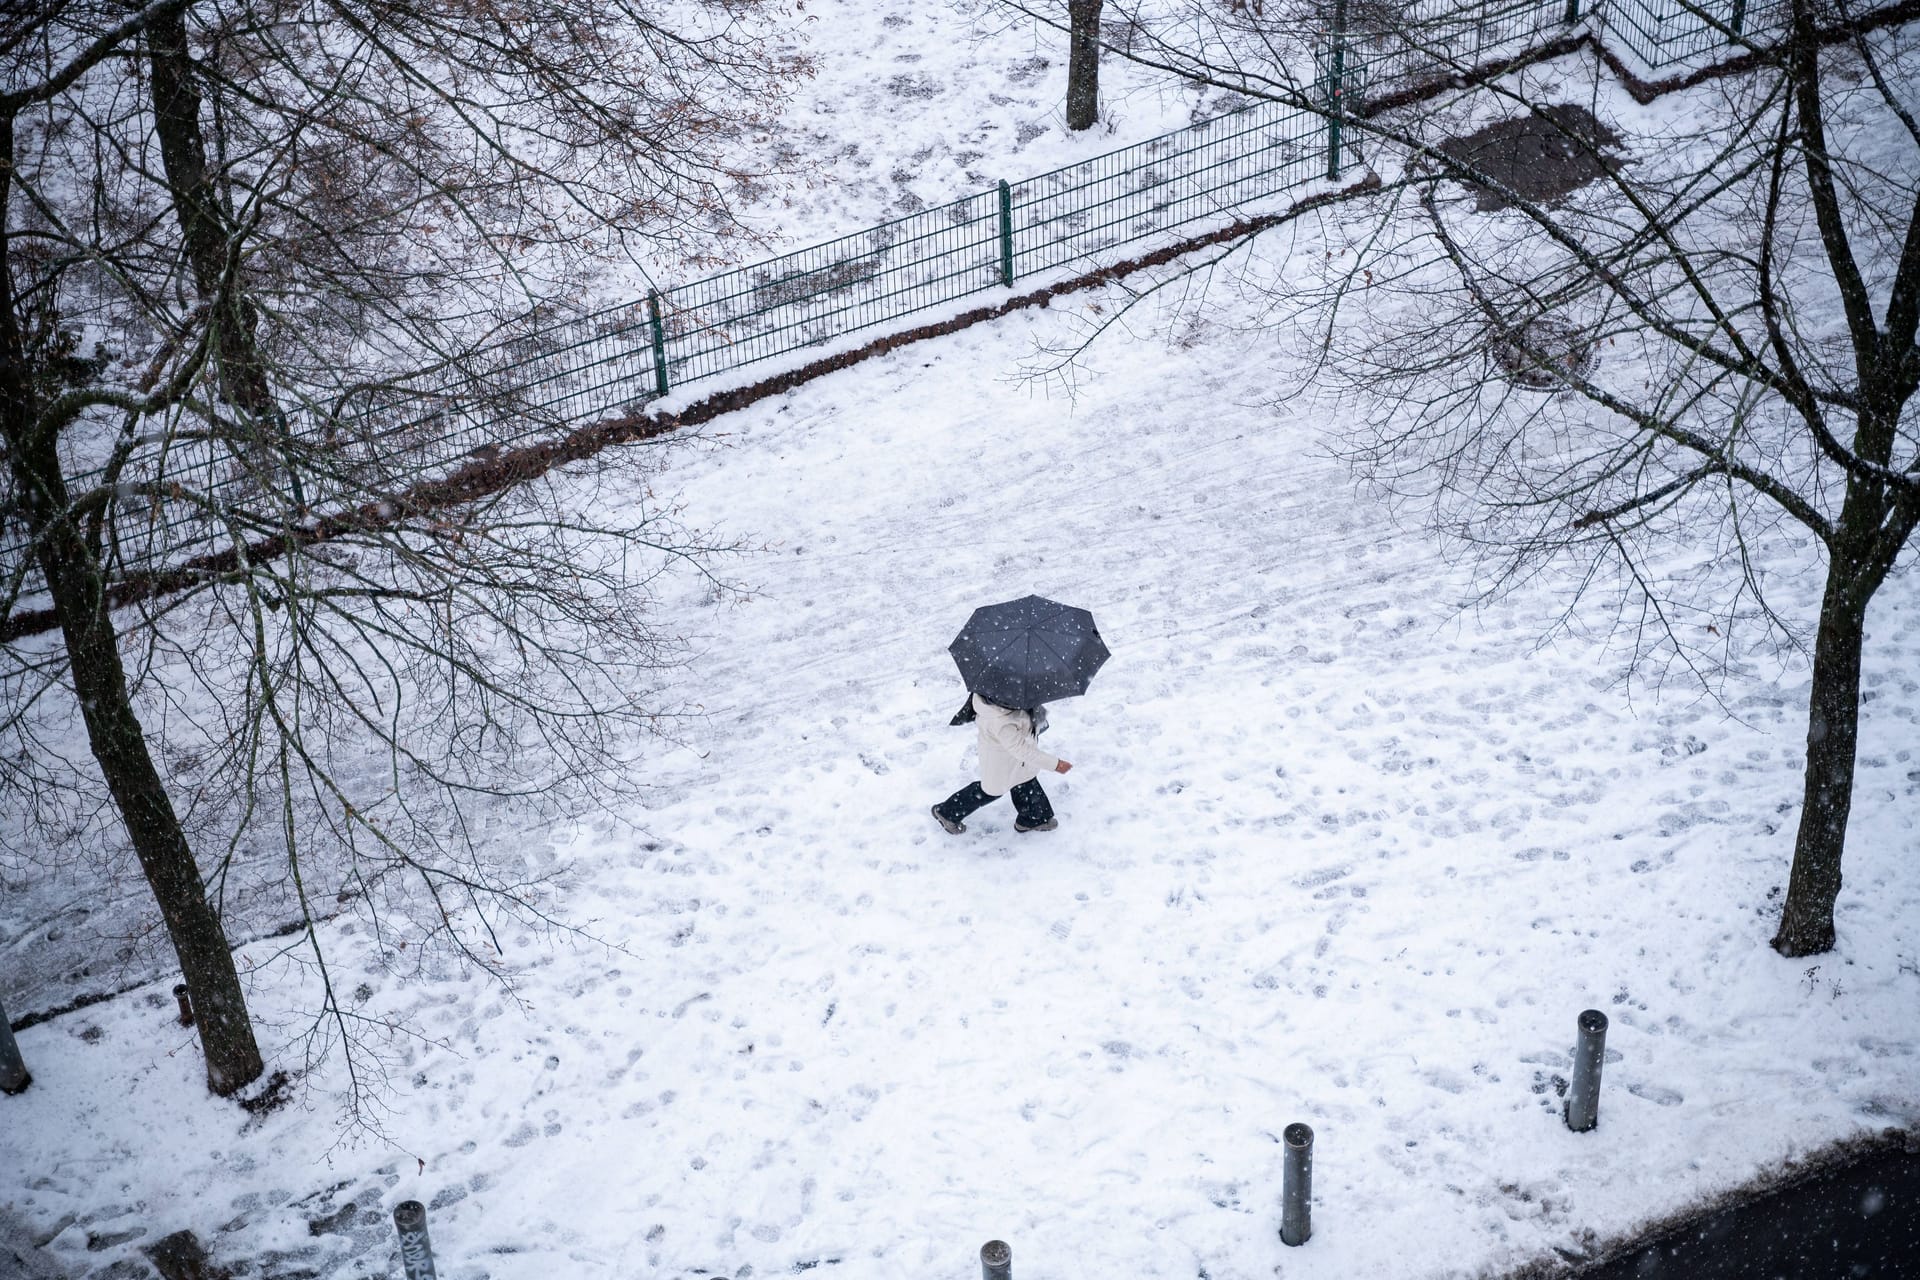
1858, 1222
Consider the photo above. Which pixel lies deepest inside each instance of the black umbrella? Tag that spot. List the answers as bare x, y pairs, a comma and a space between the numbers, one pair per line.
1028, 651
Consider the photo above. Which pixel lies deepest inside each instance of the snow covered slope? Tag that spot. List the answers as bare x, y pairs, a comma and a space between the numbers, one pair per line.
1331, 853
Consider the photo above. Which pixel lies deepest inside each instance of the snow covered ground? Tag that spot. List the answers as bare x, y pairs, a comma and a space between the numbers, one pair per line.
918, 105
1332, 851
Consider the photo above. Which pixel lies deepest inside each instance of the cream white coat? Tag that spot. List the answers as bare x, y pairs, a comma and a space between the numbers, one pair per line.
1009, 752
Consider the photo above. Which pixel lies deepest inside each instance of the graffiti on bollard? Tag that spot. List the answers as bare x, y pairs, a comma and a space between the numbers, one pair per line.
416, 1251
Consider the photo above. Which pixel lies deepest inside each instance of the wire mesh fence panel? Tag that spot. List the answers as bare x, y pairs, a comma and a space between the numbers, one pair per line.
815, 295
374, 441
207, 490
546, 378
1388, 46
595, 367
142, 527
194, 499
1074, 215
165, 502
1637, 27
1665, 33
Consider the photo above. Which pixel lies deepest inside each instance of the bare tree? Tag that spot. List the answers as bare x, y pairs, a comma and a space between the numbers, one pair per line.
278, 284
1574, 355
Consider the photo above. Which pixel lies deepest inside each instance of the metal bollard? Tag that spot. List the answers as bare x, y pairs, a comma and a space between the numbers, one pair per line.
416, 1251
996, 1260
186, 1004
14, 1076
1583, 1099
1296, 1186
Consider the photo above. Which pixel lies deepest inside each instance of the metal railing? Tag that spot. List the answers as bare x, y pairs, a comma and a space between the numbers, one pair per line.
1388, 47
555, 374
1078, 215
1669, 33
811, 296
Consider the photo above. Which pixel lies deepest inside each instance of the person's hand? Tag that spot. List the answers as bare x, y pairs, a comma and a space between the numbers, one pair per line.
1061, 766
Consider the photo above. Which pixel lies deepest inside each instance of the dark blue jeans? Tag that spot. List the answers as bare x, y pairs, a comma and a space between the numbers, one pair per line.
1029, 801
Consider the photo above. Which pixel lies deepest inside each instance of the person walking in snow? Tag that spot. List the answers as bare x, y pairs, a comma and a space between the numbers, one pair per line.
1010, 761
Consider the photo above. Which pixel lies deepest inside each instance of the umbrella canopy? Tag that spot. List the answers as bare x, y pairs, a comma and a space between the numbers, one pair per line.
1028, 651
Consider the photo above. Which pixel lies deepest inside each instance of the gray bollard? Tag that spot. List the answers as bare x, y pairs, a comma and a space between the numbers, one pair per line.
1296, 1186
1583, 1099
186, 1004
416, 1251
14, 1076
996, 1260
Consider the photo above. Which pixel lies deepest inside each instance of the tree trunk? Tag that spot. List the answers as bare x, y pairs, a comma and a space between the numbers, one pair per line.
119, 744
1876, 518
1083, 64
1833, 722
203, 219
76, 583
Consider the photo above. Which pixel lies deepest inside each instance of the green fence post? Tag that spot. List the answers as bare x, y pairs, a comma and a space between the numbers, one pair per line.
659, 342
1739, 17
1336, 91
1573, 12
1006, 234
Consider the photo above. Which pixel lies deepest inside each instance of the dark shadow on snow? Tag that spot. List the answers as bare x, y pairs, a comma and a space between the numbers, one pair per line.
1540, 157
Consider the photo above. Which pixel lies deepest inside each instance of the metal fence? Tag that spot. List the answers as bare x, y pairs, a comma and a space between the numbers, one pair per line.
553, 373
1669, 33
1078, 215
812, 296
1385, 47
1072, 217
